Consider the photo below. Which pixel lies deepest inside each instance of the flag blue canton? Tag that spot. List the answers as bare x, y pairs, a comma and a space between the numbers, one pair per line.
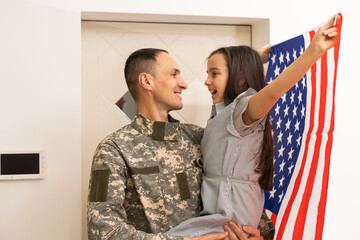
287, 119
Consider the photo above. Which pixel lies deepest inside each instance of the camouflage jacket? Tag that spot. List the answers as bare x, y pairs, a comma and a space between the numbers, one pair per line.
145, 180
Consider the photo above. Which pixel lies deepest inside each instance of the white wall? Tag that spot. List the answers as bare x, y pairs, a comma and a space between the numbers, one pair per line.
40, 102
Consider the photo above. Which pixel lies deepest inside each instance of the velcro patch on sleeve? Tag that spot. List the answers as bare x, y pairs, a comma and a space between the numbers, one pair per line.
99, 185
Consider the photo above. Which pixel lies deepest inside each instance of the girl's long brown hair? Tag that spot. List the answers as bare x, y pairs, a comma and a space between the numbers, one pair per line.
245, 71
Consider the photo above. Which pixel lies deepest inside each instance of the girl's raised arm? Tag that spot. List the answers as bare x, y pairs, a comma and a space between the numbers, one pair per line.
261, 103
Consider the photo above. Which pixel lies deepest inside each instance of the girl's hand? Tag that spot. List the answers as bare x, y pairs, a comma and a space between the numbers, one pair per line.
326, 37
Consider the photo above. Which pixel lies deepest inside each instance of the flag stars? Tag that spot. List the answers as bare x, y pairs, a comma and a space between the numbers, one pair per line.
300, 97
272, 192
292, 97
286, 111
281, 58
281, 181
298, 141
281, 196
301, 50
278, 123
277, 109
280, 137
273, 59
303, 82
291, 153
281, 151
294, 111
281, 165
270, 81
302, 111
294, 54
290, 169
287, 124
287, 57
297, 125
289, 138
277, 71
296, 85
283, 97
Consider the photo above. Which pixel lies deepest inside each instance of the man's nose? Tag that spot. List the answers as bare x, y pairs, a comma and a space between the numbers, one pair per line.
182, 83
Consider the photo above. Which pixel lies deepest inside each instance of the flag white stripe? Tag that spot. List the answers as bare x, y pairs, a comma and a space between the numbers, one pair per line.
310, 225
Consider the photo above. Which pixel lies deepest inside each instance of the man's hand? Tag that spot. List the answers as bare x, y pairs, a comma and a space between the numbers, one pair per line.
215, 236
237, 234
264, 53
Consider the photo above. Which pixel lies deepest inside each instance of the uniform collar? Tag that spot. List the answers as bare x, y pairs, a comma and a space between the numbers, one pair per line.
159, 131
217, 108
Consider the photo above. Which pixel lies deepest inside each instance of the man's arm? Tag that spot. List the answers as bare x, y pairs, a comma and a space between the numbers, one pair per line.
266, 227
107, 218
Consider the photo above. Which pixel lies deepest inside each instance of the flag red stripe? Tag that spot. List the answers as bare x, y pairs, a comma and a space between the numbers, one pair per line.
323, 197
308, 136
301, 217
273, 218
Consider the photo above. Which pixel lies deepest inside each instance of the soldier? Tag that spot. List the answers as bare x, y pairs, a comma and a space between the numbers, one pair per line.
145, 178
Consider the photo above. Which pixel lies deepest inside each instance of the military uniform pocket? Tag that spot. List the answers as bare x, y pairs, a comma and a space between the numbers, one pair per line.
147, 183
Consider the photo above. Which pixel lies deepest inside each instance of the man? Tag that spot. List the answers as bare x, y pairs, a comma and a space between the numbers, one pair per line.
145, 178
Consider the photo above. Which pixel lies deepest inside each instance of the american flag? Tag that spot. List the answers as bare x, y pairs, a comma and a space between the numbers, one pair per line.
302, 125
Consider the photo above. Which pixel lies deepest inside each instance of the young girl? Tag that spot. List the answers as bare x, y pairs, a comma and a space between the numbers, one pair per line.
237, 144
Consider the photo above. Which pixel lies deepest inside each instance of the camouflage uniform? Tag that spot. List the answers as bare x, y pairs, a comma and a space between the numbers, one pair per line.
145, 180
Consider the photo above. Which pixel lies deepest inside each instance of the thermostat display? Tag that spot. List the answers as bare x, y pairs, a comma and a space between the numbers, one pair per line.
22, 165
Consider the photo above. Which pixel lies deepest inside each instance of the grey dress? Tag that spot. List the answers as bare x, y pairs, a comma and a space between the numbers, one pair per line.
230, 189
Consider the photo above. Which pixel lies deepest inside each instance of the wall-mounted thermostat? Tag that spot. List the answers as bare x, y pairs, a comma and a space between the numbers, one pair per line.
22, 165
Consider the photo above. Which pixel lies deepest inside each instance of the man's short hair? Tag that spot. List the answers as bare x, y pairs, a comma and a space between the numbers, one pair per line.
142, 60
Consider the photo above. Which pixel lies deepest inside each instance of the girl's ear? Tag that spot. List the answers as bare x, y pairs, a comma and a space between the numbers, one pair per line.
145, 81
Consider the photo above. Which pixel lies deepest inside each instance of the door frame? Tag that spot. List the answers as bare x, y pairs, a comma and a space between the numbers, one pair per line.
260, 27
259, 34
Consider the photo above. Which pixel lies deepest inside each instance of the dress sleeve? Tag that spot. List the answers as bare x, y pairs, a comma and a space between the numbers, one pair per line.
106, 215
240, 104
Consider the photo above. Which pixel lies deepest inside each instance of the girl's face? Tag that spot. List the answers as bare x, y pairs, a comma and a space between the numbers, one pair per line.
218, 73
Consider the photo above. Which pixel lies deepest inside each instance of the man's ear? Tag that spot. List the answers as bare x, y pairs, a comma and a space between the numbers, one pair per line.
145, 81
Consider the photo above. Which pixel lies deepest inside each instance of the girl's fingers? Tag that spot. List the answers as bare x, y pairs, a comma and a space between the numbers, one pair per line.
331, 32
330, 24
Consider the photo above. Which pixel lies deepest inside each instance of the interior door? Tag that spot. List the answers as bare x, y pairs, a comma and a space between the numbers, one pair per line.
105, 48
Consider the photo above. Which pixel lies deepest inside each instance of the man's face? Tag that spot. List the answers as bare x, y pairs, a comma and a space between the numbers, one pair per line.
167, 84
